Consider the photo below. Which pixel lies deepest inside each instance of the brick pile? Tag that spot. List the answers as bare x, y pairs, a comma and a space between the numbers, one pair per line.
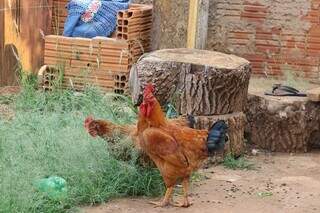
134, 25
101, 61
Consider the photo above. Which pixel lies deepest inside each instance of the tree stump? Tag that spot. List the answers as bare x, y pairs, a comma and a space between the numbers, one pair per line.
197, 82
236, 123
282, 124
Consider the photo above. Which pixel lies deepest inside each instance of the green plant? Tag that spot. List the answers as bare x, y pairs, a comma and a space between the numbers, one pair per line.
46, 138
241, 163
293, 78
6, 99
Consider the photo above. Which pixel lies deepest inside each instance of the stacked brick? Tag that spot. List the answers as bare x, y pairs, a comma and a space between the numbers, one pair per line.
101, 61
134, 25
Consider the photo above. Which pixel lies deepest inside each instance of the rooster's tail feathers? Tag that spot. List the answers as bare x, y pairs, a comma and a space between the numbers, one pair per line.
217, 136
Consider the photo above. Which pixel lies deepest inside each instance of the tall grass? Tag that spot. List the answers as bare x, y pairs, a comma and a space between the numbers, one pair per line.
46, 137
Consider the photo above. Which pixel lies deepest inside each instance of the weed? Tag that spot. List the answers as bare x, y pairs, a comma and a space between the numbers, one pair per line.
46, 138
241, 163
290, 78
293, 79
6, 99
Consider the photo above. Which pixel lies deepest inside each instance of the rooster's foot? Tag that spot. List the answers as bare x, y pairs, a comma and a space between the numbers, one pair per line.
160, 204
184, 204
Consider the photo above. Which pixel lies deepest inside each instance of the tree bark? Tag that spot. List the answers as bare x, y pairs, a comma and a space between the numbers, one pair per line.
282, 124
197, 82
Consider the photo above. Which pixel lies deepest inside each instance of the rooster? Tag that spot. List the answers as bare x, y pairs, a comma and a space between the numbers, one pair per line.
176, 150
107, 130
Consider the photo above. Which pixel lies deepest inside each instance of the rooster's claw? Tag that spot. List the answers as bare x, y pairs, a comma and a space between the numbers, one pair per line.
160, 204
184, 204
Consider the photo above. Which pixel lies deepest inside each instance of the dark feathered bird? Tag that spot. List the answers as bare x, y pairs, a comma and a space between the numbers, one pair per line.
217, 136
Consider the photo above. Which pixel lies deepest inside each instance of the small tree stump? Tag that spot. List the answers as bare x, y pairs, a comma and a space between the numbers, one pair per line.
282, 124
236, 123
197, 82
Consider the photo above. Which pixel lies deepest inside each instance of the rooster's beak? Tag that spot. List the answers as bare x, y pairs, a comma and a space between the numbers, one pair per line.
139, 101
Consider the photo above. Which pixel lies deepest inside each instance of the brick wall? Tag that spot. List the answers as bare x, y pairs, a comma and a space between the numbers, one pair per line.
277, 36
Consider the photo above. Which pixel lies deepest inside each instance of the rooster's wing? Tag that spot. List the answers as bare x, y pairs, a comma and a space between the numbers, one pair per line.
164, 146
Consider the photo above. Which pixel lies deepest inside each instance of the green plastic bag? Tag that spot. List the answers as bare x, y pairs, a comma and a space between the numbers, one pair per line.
54, 187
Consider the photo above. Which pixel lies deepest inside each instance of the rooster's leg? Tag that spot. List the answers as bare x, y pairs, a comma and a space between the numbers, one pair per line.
166, 199
185, 203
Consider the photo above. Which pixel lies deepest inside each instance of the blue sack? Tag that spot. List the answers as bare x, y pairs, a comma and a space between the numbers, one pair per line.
91, 18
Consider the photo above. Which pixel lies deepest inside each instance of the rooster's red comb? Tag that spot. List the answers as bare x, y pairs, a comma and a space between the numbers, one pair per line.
149, 89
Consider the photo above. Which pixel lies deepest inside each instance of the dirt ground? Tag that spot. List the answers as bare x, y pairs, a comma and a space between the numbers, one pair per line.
281, 183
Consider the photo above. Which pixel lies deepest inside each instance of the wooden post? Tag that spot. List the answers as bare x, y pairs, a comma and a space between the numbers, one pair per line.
198, 23
192, 24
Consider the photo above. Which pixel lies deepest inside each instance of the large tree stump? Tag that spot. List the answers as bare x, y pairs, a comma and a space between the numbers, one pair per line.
197, 82
282, 124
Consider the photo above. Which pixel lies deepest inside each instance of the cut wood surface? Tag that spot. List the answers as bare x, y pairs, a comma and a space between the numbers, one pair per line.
197, 82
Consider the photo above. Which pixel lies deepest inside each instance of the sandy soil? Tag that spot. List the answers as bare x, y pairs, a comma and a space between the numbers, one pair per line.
282, 183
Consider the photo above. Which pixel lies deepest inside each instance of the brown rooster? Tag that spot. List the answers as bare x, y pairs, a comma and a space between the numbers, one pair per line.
107, 130
176, 150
